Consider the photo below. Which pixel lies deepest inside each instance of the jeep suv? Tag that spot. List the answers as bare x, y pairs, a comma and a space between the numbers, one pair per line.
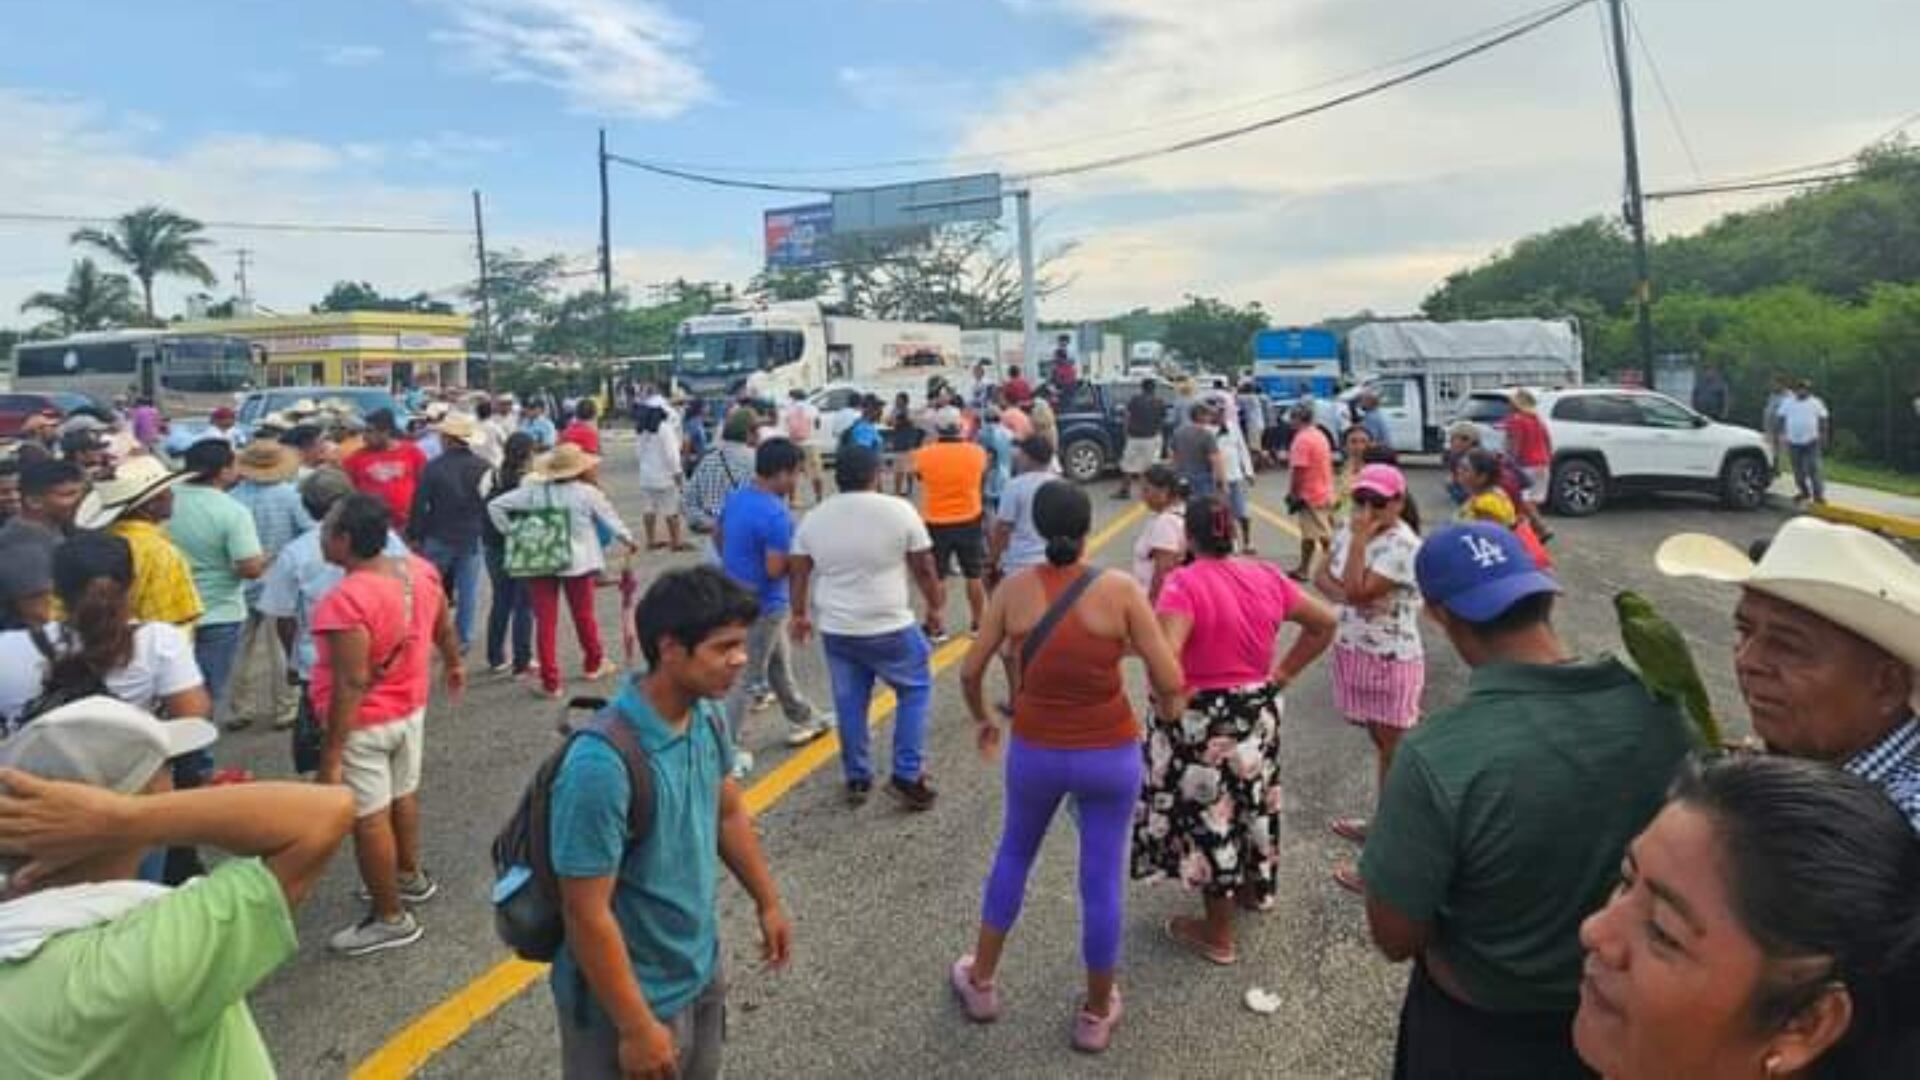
1613, 439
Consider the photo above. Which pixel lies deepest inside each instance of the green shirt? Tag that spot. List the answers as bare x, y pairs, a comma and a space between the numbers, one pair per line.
214, 530
1504, 819
159, 992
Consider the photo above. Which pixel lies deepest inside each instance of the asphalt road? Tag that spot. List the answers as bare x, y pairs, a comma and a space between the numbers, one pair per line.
882, 901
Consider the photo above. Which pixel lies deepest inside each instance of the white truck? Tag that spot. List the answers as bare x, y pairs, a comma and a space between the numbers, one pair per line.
770, 350
1001, 349
1424, 371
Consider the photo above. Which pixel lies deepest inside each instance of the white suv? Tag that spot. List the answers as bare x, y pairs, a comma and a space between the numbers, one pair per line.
1608, 439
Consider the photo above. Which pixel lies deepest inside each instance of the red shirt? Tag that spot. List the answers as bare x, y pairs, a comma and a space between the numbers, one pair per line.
397, 652
1018, 390
1527, 440
391, 475
583, 435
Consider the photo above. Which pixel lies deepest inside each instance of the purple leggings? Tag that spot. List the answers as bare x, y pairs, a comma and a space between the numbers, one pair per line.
1105, 785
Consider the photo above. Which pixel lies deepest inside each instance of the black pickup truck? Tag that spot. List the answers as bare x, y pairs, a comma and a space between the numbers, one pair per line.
1093, 427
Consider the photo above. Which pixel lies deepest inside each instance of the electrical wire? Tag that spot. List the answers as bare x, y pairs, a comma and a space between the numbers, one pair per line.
1761, 185
1660, 84
1607, 61
1819, 166
247, 226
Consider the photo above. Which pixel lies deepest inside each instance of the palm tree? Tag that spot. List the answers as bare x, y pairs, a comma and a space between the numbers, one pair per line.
92, 300
152, 241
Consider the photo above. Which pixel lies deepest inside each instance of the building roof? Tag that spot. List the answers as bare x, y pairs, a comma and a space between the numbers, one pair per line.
329, 322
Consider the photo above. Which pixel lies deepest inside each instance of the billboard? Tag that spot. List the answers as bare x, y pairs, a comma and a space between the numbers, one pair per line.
799, 236
918, 205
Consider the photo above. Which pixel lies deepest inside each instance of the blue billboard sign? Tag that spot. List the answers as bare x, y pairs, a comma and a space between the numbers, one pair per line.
799, 236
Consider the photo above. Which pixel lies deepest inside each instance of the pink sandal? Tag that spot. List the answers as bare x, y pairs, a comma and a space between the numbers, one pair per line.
980, 1003
1092, 1034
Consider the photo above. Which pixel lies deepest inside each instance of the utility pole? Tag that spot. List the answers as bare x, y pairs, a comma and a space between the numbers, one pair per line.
606, 258
484, 290
1029, 308
241, 255
1636, 207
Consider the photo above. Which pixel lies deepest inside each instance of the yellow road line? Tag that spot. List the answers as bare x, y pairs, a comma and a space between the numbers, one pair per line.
1275, 520
443, 1025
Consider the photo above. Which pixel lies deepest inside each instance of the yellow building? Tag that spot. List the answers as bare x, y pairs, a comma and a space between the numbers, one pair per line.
353, 348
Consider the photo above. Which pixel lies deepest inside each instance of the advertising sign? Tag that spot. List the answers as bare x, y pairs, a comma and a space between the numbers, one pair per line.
918, 205
799, 236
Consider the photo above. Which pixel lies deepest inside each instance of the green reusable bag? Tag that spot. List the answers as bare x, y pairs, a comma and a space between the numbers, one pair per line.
539, 540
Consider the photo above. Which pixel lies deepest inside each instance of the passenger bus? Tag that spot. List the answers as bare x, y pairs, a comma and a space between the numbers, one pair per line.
183, 374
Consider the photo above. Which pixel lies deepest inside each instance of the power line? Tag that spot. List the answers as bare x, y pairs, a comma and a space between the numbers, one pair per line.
248, 226
1666, 99
721, 181
1761, 185
1846, 162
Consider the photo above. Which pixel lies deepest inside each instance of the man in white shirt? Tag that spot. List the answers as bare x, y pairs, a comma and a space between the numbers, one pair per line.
657, 445
800, 421
1805, 427
848, 570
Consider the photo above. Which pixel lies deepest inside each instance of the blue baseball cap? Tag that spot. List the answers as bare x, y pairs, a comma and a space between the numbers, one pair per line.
1478, 570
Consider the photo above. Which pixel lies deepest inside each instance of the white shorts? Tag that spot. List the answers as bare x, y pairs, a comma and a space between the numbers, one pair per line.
1140, 455
1536, 489
382, 763
660, 501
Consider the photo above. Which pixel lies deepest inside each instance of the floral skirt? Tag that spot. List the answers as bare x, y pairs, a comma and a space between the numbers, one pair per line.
1209, 810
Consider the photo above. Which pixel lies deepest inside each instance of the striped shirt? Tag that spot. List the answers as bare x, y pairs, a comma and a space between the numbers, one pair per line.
278, 517
1893, 765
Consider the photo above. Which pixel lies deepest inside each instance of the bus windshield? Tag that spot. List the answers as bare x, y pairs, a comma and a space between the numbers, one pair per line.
209, 365
736, 352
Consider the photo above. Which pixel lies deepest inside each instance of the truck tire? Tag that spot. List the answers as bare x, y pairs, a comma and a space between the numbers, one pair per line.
1578, 488
1744, 481
1083, 460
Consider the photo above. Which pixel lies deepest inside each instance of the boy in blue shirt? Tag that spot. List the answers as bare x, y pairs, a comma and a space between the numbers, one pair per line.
754, 534
638, 985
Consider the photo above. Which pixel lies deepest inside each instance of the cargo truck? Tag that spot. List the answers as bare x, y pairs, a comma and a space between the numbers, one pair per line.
1423, 372
770, 350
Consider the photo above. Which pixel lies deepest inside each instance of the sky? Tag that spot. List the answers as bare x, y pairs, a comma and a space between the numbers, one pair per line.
390, 112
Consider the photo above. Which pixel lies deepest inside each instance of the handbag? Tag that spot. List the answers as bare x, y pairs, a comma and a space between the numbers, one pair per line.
539, 540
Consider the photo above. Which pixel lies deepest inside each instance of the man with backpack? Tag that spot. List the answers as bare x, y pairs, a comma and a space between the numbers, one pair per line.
636, 854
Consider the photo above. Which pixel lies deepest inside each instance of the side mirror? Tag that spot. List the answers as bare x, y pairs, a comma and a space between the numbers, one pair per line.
1700, 421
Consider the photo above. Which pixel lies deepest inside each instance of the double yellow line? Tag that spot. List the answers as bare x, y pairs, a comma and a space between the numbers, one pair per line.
443, 1025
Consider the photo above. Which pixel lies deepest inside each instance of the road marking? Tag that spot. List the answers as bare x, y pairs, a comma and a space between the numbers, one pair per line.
1276, 520
413, 1046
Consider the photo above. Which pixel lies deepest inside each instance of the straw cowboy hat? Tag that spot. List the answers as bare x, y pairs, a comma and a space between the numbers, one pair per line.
458, 426
133, 482
1846, 575
267, 462
565, 462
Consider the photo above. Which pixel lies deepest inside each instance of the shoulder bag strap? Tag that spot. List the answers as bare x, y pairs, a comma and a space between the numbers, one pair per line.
406, 632
610, 725
1062, 604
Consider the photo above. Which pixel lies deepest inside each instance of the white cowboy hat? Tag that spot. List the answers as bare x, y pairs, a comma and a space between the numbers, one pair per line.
1846, 575
133, 482
459, 426
565, 462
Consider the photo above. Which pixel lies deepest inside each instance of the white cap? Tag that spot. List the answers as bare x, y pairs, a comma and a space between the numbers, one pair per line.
104, 742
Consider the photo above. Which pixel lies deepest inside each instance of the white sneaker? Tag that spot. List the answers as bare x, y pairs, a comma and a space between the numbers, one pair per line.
809, 731
374, 934
742, 764
762, 700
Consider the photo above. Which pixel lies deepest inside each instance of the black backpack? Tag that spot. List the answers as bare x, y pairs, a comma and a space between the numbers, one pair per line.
526, 892
648, 418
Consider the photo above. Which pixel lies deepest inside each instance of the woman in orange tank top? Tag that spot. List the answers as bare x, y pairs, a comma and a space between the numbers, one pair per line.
1074, 734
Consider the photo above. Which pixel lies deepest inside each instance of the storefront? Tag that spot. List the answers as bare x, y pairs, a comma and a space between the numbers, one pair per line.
354, 348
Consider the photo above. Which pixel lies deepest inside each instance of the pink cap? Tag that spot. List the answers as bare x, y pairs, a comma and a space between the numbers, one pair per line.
1383, 480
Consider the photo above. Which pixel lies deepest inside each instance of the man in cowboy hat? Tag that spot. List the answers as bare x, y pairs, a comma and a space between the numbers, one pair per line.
449, 511
1828, 657
222, 547
260, 688
134, 503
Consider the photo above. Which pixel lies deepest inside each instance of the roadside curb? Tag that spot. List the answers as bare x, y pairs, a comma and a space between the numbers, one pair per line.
1894, 525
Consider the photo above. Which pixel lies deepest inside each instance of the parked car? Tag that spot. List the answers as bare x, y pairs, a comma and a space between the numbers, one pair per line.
16, 408
1610, 439
360, 400
1093, 428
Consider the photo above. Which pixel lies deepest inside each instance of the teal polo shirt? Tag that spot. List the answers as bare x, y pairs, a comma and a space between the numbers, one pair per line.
664, 896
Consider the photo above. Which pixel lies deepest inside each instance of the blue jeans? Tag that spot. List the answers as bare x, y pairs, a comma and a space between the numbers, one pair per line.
460, 568
215, 647
901, 660
512, 607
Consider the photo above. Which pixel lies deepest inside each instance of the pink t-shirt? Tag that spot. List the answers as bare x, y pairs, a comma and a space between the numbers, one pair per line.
1310, 460
376, 602
1237, 606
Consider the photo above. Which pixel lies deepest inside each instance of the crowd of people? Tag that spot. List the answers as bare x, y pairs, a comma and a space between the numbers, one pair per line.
1580, 886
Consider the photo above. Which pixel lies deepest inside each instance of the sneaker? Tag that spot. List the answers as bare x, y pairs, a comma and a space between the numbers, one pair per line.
762, 700
937, 637
373, 934
980, 1003
915, 795
415, 888
605, 669
857, 792
809, 731
742, 764
502, 668
1092, 1034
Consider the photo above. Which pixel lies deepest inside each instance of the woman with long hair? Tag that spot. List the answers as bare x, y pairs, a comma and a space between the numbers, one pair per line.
97, 647
512, 607
1162, 545
1765, 925
1074, 736
1211, 817
1379, 662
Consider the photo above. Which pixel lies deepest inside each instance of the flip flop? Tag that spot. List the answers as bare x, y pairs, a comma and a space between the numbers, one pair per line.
1209, 953
1347, 876
656, 546
1352, 829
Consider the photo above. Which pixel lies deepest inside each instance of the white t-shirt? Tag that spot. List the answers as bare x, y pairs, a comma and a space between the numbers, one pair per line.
800, 419
659, 455
162, 665
1165, 531
1800, 419
1390, 626
859, 542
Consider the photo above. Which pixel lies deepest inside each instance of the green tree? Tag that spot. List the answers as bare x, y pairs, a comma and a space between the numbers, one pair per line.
959, 274
520, 292
361, 296
772, 286
92, 300
1214, 334
152, 241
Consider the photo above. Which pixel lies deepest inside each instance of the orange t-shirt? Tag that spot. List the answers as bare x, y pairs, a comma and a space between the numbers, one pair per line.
953, 473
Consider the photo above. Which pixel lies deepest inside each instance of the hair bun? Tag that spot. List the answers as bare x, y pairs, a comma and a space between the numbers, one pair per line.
1063, 550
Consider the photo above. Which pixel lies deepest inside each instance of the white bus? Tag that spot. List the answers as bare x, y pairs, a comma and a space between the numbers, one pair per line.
183, 374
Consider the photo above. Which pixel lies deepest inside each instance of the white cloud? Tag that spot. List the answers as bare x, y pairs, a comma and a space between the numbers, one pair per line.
608, 57
352, 56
